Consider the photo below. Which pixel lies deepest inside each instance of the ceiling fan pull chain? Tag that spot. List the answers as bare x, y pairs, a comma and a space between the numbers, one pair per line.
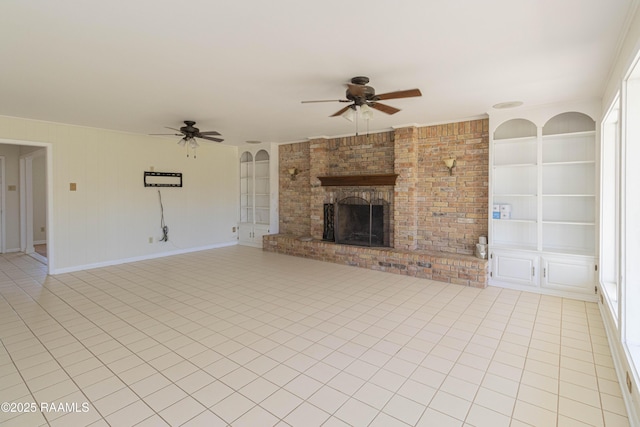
367, 128
357, 114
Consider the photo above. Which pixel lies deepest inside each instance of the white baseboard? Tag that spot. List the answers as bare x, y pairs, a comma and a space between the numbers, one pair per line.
621, 363
140, 258
39, 257
582, 296
39, 242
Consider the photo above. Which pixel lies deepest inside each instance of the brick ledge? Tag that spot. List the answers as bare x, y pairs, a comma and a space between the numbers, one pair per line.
447, 267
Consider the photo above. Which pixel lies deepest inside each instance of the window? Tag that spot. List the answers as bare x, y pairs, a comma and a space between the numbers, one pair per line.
630, 216
610, 209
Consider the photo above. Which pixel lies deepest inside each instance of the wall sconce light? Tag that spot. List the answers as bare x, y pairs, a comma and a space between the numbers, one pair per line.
450, 164
293, 172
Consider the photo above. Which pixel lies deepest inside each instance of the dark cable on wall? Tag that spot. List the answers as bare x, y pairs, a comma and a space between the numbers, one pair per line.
165, 229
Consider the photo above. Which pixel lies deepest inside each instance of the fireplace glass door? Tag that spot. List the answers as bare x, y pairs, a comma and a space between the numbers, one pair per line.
361, 222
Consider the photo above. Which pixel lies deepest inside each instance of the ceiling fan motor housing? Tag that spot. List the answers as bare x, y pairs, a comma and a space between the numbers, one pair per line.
360, 80
362, 93
189, 128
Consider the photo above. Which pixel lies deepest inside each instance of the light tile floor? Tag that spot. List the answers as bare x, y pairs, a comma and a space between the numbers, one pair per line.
237, 336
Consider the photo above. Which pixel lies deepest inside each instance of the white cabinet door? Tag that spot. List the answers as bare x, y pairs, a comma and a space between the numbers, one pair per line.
245, 233
572, 274
258, 232
251, 234
514, 267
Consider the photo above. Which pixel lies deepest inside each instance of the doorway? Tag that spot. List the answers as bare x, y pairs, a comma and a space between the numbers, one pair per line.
25, 198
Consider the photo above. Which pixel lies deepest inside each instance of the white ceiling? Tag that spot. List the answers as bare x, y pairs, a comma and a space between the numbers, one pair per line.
242, 67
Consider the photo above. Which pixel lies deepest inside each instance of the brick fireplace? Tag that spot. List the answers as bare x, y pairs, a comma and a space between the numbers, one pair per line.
434, 219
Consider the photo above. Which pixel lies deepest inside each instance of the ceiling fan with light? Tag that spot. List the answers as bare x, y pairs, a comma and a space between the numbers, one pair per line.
189, 134
364, 98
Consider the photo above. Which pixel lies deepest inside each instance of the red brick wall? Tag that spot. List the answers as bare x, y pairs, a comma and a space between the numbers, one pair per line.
294, 193
432, 210
406, 189
359, 155
353, 155
453, 209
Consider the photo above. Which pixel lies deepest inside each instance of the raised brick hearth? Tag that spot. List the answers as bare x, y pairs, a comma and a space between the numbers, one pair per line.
442, 266
435, 218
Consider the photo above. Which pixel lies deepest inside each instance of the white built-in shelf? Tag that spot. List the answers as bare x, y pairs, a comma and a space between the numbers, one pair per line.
569, 222
570, 135
514, 165
569, 195
255, 194
503, 244
546, 173
565, 163
568, 250
520, 139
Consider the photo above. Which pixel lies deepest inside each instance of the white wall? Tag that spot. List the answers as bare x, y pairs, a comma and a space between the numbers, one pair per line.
111, 216
628, 50
12, 198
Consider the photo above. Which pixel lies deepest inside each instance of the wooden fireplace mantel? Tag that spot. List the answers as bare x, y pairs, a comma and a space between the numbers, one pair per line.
358, 180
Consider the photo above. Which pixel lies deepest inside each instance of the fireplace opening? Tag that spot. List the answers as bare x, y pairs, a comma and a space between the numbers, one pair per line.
361, 222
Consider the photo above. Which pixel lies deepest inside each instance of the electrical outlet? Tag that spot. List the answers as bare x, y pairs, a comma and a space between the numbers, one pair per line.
629, 383
150, 239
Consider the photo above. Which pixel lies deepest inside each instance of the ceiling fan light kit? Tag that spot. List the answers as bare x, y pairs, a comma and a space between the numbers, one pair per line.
366, 112
350, 113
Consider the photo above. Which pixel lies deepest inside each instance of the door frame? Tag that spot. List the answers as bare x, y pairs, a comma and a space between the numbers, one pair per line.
26, 200
50, 231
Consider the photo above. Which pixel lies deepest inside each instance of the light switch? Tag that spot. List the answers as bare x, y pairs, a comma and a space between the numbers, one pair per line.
72, 186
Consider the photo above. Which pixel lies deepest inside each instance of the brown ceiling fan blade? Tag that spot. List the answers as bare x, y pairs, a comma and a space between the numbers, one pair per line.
384, 108
356, 90
177, 130
210, 132
339, 112
209, 138
400, 94
173, 134
326, 100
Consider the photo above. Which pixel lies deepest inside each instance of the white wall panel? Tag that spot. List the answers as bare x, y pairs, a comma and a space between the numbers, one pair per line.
111, 215
12, 198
